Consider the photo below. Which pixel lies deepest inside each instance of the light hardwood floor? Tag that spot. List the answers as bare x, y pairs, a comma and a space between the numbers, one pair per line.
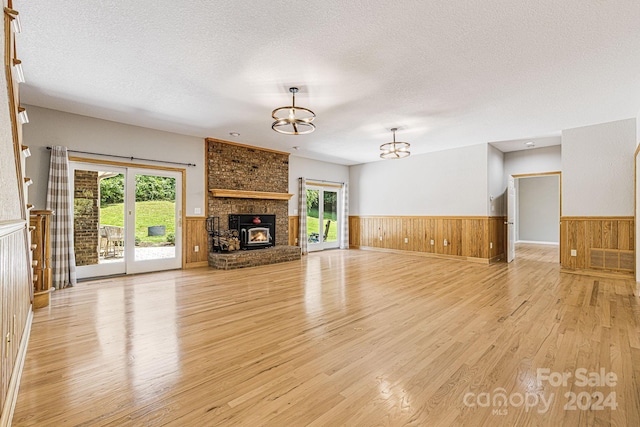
339, 338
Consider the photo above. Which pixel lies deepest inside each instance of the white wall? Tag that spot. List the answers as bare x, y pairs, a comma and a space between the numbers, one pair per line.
638, 129
312, 170
598, 169
448, 183
496, 184
534, 160
50, 127
539, 209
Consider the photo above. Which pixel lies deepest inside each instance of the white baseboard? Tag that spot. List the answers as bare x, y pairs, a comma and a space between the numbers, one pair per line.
538, 243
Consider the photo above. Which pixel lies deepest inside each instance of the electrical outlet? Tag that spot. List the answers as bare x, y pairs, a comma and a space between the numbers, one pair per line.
196, 248
406, 240
380, 238
445, 242
491, 245
197, 211
433, 242
574, 252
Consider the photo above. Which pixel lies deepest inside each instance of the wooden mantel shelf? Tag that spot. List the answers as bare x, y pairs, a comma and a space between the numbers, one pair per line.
241, 194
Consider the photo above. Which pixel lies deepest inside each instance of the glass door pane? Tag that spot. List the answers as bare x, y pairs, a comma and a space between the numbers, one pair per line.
330, 215
99, 212
156, 220
313, 217
155, 217
323, 206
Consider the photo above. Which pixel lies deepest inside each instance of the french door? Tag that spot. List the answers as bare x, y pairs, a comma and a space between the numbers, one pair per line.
323, 208
126, 219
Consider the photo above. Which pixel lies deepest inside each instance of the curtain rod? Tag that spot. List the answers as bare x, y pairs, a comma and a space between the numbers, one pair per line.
324, 180
129, 158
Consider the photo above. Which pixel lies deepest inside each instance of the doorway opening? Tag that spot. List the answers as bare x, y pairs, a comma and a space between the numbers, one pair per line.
534, 209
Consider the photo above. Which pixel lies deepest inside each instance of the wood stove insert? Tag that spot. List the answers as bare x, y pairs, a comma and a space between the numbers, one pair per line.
256, 231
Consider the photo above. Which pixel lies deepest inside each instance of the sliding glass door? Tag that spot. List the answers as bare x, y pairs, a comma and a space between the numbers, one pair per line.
323, 207
126, 220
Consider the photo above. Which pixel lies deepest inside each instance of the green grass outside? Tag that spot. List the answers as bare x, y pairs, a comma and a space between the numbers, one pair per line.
147, 214
312, 227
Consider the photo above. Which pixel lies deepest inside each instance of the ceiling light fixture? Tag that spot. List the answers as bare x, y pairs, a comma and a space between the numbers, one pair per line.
395, 150
234, 134
17, 65
292, 120
15, 19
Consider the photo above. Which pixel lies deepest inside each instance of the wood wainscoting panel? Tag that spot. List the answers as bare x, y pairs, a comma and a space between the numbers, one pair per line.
497, 237
354, 232
466, 237
294, 223
196, 235
601, 243
15, 310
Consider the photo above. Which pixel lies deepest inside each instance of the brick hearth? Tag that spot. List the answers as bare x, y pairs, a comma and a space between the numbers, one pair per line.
242, 259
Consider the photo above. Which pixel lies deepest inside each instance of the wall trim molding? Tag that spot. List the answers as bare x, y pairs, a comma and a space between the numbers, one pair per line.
9, 227
591, 218
598, 273
534, 242
536, 174
422, 254
14, 384
197, 264
429, 216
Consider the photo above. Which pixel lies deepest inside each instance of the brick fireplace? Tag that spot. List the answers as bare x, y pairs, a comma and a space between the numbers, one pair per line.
245, 180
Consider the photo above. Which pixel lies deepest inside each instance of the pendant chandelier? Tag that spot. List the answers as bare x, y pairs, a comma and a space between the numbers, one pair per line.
293, 120
395, 150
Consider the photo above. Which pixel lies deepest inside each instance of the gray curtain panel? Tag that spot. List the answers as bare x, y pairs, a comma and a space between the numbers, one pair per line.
60, 201
344, 237
302, 215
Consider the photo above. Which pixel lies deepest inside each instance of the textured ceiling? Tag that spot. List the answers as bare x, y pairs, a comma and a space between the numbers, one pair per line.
447, 73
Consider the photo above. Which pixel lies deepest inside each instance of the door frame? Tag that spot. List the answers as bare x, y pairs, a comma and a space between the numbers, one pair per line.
538, 174
636, 208
183, 202
314, 185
